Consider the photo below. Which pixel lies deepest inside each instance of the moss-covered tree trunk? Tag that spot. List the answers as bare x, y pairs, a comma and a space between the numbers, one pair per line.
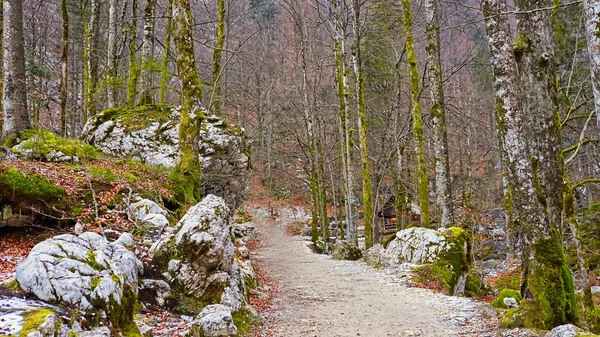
14, 93
216, 100
346, 151
324, 218
524, 75
147, 68
164, 75
64, 69
363, 127
417, 119
438, 112
191, 113
90, 58
134, 68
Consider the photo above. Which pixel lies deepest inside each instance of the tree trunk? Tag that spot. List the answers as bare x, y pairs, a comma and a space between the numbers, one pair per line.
14, 93
191, 112
363, 128
591, 12
217, 62
345, 123
64, 75
147, 72
134, 68
417, 120
548, 303
440, 141
111, 62
165, 60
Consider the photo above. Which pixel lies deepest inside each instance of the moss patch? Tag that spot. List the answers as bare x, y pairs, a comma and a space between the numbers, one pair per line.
33, 319
136, 118
245, 320
30, 186
506, 293
43, 142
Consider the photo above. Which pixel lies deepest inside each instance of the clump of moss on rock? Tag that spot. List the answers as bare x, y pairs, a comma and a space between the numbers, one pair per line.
506, 293
42, 142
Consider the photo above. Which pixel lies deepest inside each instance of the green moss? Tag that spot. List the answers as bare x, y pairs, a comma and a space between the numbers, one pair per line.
10, 141
30, 186
136, 118
551, 284
101, 173
473, 286
452, 263
33, 319
91, 261
245, 320
72, 334
131, 330
12, 285
43, 142
95, 283
506, 293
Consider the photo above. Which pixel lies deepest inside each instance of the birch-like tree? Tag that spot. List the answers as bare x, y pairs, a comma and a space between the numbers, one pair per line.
14, 93
164, 74
191, 113
64, 68
134, 67
146, 77
216, 100
111, 50
417, 119
363, 126
438, 112
591, 12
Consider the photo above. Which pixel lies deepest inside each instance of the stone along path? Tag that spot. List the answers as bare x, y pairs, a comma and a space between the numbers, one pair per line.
322, 297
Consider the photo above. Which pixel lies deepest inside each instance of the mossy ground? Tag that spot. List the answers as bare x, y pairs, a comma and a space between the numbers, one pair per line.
33, 319
138, 117
29, 185
506, 293
43, 142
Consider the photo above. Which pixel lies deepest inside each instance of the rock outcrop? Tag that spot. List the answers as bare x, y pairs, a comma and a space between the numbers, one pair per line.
150, 134
199, 255
442, 254
214, 321
568, 330
86, 272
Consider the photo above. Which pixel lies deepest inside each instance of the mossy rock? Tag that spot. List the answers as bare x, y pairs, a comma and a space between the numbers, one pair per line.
37, 143
506, 293
30, 186
136, 118
473, 286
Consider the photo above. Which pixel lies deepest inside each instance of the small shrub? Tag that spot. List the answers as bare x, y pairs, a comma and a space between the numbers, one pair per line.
30, 186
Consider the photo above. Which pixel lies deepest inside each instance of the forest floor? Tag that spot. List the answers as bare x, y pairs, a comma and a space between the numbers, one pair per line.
319, 296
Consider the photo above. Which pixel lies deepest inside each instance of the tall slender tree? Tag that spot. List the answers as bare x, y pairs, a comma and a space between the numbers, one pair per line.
216, 100
417, 119
111, 50
64, 67
591, 12
440, 138
134, 67
165, 58
191, 113
363, 126
14, 93
147, 71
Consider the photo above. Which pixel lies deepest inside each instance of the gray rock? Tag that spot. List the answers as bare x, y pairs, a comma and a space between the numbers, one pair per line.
510, 302
80, 270
214, 321
245, 230
568, 330
126, 240
346, 251
223, 148
155, 221
595, 289
98, 332
144, 207
158, 290
200, 253
244, 252
376, 256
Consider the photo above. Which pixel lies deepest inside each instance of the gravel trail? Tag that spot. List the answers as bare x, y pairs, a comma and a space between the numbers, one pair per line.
322, 297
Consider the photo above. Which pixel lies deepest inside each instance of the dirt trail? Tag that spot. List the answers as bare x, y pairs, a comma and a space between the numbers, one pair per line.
322, 297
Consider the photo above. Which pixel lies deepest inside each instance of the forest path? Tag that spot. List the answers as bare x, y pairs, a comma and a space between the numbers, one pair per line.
319, 296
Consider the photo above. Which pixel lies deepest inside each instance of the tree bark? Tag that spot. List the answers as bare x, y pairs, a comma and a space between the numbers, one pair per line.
438, 112
417, 119
134, 67
591, 12
147, 72
14, 93
64, 73
217, 56
363, 128
111, 62
165, 60
191, 113
524, 80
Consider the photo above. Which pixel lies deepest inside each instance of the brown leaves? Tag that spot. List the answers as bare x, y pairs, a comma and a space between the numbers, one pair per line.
15, 248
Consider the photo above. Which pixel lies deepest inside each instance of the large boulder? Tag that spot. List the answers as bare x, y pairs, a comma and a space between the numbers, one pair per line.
151, 134
199, 255
86, 272
443, 254
568, 330
214, 321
